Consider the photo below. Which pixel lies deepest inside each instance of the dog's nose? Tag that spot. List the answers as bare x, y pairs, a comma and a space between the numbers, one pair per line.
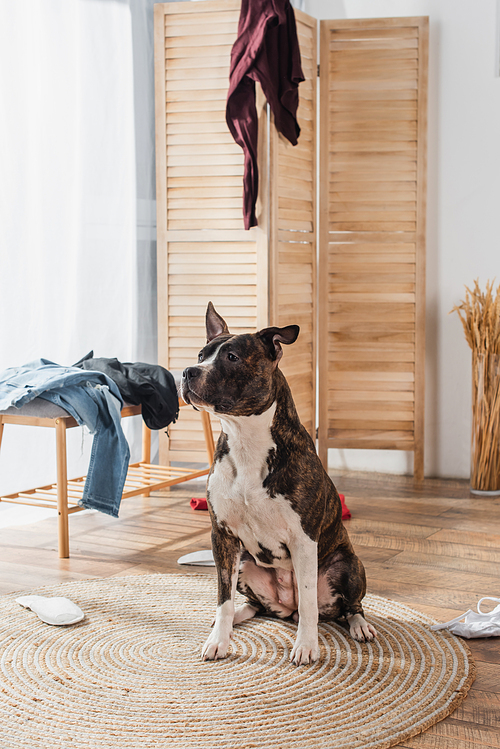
191, 373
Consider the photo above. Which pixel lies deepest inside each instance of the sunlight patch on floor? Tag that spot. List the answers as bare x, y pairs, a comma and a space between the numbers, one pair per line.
17, 515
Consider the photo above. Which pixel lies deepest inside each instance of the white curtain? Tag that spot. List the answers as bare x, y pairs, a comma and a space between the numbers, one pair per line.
69, 262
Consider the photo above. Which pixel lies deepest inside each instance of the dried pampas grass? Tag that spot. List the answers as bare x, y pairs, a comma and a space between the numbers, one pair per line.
480, 317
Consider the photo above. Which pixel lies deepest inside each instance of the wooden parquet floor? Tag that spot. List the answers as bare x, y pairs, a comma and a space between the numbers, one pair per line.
435, 548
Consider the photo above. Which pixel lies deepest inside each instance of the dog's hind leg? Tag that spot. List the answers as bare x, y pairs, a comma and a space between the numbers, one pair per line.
354, 592
244, 612
360, 629
342, 586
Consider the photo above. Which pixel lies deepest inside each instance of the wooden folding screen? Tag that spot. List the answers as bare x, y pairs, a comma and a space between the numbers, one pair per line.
372, 243
372, 220
256, 278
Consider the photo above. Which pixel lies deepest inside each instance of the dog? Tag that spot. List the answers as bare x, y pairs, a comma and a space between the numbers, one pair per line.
277, 532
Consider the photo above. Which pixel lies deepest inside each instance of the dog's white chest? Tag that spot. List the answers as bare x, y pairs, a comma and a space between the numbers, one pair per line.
236, 484
238, 496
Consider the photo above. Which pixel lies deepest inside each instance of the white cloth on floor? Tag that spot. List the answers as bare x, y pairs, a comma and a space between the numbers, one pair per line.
475, 624
198, 558
58, 611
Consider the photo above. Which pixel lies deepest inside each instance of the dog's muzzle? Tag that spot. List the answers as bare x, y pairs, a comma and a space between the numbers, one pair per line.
189, 377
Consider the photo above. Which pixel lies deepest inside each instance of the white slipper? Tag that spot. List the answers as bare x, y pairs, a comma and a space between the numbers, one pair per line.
199, 558
58, 611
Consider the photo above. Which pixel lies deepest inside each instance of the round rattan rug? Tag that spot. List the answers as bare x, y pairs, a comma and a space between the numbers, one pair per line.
130, 675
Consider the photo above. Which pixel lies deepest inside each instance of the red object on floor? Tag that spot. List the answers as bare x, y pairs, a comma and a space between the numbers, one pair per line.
199, 503
346, 513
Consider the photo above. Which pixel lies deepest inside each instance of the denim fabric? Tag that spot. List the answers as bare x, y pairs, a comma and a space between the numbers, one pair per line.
93, 400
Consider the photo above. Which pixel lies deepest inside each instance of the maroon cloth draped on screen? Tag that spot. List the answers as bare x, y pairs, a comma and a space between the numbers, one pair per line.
266, 50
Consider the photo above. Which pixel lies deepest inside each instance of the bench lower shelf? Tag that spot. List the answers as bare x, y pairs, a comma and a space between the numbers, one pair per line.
142, 478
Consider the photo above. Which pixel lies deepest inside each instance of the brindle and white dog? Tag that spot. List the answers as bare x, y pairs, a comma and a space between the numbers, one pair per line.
277, 532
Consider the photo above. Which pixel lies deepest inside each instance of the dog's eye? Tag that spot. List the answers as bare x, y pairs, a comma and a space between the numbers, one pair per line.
200, 357
232, 357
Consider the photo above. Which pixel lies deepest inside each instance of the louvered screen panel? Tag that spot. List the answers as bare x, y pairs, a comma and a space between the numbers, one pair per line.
203, 251
204, 164
293, 237
373, 139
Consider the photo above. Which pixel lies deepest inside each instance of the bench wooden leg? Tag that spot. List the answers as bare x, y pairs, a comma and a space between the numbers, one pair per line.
209, 436
146, 444
62, 490
146, 450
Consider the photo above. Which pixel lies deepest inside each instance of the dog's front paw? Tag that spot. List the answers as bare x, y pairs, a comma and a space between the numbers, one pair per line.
305, 651
216, 647
360, 629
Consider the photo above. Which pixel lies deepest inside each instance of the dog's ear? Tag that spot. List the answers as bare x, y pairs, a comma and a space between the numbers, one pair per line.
274, 337
215, 325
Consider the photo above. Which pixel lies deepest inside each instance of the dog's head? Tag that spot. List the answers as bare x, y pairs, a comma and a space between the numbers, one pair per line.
234, 373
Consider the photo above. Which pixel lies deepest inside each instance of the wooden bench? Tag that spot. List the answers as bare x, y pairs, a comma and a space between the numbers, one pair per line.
64, 495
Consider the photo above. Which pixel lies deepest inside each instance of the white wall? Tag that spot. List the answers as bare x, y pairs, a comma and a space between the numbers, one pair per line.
463, 234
